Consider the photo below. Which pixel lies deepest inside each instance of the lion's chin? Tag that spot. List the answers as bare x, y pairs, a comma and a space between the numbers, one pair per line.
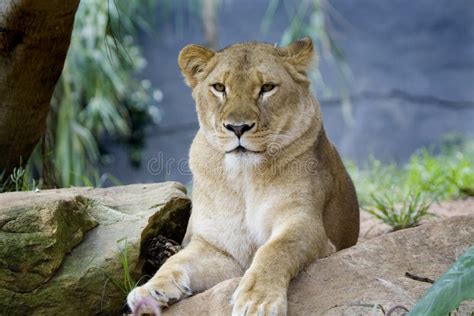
242, 159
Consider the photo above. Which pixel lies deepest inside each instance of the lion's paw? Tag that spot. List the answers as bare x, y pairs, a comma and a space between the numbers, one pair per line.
164, 290
257, 297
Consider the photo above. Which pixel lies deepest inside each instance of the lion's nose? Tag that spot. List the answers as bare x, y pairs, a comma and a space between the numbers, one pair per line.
239, 130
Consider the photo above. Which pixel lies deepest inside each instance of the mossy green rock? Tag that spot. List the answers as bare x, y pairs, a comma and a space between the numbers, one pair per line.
62, 251
35, 238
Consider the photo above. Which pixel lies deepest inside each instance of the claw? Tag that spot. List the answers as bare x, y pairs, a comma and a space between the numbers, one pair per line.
183, 288
160, 297
187, 290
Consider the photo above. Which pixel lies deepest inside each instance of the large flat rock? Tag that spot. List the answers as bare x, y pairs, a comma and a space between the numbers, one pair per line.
351, 281
90, 279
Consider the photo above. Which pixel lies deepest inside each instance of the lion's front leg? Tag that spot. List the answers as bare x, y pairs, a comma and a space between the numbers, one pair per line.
263, 288
196, 268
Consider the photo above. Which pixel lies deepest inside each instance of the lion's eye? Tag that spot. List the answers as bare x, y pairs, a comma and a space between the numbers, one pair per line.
267, 88
219, 87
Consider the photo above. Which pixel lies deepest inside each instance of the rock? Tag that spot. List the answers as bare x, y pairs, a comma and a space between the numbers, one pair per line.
35, 238
352, 281
37, 230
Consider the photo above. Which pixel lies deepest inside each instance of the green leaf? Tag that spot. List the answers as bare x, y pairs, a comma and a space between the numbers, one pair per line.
452, 288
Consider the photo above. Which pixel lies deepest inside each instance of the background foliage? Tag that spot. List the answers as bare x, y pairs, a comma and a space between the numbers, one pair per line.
98, 92
310, 18
446, 175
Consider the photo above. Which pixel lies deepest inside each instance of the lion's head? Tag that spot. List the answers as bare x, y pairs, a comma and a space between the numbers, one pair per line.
251, 98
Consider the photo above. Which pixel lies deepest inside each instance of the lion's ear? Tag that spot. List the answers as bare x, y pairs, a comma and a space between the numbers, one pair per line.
192, 60
300, 54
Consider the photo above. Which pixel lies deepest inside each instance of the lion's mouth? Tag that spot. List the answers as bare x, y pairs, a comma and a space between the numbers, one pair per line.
241, 149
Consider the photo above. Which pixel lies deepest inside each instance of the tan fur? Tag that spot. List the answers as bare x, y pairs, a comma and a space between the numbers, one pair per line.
264, 214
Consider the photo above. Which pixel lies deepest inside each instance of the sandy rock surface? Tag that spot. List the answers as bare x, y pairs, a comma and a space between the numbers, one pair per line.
352, 281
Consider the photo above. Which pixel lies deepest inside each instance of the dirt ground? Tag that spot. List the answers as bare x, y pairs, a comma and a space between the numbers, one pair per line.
371, 227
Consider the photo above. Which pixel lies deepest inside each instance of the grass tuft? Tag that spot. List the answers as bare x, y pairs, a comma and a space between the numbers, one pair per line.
19, 180
126, 284
413, 208
400, 196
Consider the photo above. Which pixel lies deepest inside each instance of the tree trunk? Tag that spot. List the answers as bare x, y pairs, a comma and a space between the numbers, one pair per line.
34, 39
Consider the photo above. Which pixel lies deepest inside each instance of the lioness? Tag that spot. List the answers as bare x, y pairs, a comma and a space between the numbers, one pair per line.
270, 192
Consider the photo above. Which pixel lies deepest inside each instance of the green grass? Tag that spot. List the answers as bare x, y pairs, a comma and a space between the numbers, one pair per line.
19, 180
400, 196
407, 213
126, 284
443, 176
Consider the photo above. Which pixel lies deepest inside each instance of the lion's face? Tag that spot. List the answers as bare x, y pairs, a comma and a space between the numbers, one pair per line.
251, 98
